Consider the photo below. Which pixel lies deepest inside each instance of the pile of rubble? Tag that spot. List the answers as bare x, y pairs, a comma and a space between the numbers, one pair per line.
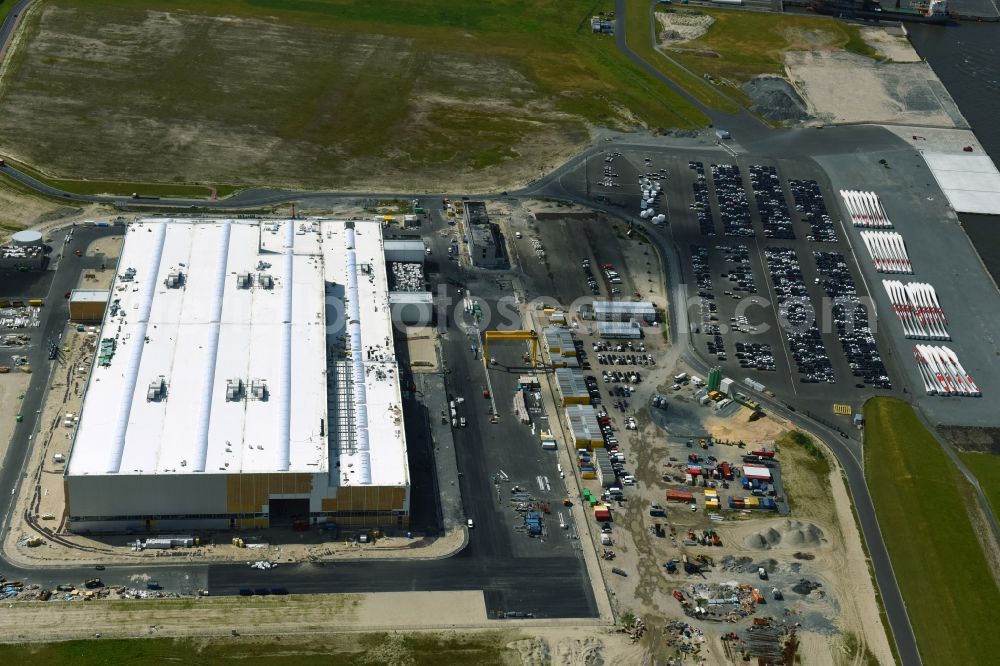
684, 637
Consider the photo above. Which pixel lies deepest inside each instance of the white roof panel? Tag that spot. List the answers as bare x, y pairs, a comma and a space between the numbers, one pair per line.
197, 343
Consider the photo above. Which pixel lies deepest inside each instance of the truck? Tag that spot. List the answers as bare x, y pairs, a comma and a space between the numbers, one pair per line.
657, 511
681, 377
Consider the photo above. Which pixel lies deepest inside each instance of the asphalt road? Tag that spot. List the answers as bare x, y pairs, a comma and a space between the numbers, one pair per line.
7, 29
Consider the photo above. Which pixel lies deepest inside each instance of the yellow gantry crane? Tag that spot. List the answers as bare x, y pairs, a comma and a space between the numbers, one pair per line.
505, 336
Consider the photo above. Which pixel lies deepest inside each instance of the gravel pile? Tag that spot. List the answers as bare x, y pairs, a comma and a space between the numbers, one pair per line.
774, 98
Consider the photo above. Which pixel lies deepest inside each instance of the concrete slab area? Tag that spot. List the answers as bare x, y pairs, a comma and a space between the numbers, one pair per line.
971, 182
942, 255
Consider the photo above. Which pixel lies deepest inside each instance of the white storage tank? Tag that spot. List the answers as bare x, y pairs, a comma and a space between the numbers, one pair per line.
28, 237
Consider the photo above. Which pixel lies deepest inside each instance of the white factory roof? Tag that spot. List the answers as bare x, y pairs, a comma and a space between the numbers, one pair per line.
200, 336
91, 295
970, 182
376, 444
625, 307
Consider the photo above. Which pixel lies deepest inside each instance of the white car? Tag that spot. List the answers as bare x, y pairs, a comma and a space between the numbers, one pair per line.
628, 480
469, 523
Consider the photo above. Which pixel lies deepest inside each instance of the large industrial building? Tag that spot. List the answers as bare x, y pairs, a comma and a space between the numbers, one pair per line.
244, 377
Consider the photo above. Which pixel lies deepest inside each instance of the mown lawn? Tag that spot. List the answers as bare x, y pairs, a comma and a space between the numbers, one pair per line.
921, 499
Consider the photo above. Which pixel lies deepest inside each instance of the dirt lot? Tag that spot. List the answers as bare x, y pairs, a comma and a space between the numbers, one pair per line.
18, 211
882, 92
682, 27
819, 543
890, 43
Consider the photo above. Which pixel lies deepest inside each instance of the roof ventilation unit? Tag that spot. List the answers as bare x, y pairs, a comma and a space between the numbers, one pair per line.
265, 281
157, 390
258, 389
175, 280
244, 280
234, 390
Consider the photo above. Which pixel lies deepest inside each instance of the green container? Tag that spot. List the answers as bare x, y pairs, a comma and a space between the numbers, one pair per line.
714, 378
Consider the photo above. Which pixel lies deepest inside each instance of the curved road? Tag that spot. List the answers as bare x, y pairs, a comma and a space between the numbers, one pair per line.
476, 565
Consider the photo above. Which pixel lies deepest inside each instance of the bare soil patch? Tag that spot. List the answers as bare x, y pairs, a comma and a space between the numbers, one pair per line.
678, 27
880, 92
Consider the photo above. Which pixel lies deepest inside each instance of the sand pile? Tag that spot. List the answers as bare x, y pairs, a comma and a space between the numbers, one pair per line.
803, 534
791, 533
533, 651
764, 539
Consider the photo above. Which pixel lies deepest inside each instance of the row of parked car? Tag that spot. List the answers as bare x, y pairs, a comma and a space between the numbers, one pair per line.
810, 204
613, 448
771, 204
627, 346
626, 359
591, 280
851, 319
701, 205
734, 207
794, 307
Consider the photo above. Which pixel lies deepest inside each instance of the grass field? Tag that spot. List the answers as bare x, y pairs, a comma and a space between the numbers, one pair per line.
640, 40
347, 649
986, 467
921, 501
318, 93
741, 45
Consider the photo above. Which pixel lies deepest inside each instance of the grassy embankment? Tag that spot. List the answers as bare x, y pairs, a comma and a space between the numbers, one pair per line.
986, 467
320, 93
741, 45
921, 501
125, 189
336, 649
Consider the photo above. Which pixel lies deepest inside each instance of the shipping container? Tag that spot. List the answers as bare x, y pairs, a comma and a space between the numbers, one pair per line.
679, 496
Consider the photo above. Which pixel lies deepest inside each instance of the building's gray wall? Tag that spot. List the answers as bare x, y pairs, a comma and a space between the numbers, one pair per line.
109, 495
409, 251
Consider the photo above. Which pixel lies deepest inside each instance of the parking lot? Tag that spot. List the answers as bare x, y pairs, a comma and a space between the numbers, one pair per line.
762, 302
583, 259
